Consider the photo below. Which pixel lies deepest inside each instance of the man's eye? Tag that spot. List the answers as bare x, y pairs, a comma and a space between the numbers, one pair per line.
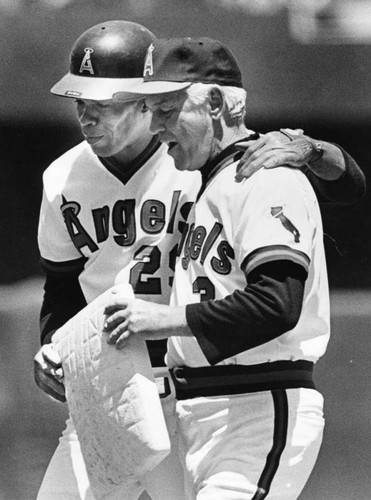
104, 106
167, 111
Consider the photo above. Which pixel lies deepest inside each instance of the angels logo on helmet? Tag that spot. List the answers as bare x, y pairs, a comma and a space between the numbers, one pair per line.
86, 64
148, 66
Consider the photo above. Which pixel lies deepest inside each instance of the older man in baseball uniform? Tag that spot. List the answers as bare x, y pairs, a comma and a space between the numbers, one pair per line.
250, 301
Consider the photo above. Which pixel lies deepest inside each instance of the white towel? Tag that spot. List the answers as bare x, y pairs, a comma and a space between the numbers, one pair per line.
113, 401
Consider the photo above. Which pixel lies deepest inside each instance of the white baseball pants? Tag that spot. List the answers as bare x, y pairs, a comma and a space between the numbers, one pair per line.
252, 446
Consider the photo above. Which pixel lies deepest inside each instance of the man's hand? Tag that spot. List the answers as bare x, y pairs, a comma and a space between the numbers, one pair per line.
126, 317
48, 372
274, 149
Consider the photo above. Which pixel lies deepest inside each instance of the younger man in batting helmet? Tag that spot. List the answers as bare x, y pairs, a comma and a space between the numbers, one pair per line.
111, 212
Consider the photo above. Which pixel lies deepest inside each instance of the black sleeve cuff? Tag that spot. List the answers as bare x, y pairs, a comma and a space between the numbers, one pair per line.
63, 298
350, 188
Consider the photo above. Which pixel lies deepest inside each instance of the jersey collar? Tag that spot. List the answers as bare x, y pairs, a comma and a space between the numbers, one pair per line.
125, 171
229, 155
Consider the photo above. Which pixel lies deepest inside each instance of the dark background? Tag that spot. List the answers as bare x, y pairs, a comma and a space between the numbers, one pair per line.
301, 69
322, 86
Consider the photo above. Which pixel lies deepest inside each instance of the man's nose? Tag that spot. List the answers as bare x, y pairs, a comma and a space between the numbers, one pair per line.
87, 116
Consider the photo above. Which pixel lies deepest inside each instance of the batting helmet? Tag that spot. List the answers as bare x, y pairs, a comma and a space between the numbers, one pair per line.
106, 59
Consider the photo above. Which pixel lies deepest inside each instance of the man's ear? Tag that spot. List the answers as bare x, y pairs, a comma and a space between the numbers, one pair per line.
216, 100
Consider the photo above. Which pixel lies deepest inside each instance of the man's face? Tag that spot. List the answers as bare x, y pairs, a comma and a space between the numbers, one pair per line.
184, 126
108, 126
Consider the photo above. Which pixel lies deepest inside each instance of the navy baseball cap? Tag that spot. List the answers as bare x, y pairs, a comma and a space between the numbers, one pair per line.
173, 64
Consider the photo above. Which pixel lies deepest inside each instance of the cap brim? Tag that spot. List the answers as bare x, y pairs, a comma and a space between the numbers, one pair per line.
152, 88
94, 88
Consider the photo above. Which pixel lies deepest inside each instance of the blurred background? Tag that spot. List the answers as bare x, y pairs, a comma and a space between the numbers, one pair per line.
307, 64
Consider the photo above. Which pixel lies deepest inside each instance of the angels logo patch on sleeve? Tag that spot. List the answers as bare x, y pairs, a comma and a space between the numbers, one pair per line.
277, 212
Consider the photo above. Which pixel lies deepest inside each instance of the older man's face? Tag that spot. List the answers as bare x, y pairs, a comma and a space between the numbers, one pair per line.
186, 127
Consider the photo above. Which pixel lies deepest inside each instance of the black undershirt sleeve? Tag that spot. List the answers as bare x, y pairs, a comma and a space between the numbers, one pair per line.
63, 298
269, 306
347, 190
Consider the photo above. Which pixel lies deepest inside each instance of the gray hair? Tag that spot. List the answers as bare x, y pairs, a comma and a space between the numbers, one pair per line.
234, 98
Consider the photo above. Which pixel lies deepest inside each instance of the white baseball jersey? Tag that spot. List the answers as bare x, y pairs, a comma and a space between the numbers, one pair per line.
235, 227
121, 232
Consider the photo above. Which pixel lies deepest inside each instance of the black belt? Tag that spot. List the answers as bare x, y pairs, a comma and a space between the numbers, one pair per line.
239, 379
